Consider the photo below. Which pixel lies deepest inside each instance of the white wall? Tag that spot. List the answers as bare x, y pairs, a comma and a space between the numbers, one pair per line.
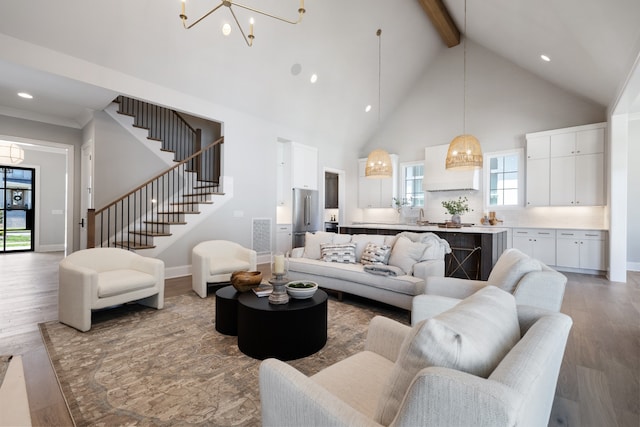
503, 102
633, 198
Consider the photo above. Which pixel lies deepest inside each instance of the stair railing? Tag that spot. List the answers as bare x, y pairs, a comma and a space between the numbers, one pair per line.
148, 210
164, 124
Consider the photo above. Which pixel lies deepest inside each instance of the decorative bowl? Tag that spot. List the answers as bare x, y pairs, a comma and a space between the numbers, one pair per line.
301, 289
243, 281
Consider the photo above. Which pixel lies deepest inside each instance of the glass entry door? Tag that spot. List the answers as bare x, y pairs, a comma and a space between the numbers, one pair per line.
17, 212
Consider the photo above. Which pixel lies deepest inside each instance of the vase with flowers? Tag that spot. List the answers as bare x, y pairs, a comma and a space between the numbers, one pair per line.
456, 207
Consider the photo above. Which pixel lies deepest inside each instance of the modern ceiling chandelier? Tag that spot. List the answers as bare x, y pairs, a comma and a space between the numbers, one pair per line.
10, 153
226, 29
464, 150
379, 161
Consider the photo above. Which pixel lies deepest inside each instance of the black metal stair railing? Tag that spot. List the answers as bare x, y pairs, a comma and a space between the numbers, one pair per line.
165, 125
149, 210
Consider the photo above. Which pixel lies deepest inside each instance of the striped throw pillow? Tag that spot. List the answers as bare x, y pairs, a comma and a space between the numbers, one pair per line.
338, 252
375, 254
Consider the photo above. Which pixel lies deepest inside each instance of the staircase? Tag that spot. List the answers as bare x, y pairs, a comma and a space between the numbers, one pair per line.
148, 216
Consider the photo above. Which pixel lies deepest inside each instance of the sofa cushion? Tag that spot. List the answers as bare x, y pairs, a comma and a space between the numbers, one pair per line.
361, 241
323, 272
116, 282
473, 337
510, 267
375, 254
343, 252
312, 242
341, 238
406, 253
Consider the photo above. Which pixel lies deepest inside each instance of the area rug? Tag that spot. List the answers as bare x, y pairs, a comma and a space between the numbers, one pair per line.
146, 367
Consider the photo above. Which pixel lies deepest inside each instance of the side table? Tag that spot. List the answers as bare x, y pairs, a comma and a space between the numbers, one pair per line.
227, 310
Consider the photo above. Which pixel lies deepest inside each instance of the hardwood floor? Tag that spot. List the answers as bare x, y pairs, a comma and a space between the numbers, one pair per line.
599, 382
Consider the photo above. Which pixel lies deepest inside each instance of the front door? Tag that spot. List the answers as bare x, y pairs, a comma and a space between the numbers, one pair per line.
17, 216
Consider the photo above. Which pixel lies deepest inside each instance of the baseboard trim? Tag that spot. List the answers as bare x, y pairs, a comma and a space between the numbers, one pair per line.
173, 272
50, 248
633, 266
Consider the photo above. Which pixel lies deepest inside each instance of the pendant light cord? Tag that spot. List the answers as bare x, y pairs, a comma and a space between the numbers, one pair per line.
464, 73
379, 34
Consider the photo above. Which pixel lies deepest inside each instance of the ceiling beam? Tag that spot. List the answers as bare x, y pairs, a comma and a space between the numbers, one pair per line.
440, 18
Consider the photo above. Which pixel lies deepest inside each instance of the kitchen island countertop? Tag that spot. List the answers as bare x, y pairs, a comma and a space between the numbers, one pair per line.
489, 229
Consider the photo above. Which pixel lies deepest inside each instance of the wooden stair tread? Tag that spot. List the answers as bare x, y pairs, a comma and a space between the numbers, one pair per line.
166, 222
150, 233
204, 202
178, 212
132, 245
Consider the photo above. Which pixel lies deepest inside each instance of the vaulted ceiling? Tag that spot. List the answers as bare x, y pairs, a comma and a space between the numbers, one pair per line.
592, 45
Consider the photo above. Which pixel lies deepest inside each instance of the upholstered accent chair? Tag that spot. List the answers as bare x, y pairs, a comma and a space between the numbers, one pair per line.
483, 362
97, 278
531, 282
213, 261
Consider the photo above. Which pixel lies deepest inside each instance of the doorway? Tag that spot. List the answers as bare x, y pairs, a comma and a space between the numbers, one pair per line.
17, 215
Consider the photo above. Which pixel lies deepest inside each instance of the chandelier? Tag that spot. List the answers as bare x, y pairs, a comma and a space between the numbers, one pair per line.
230, 4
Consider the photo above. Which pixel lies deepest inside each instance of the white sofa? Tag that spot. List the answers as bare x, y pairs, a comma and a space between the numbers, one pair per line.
484, 362
96, 278
411, 258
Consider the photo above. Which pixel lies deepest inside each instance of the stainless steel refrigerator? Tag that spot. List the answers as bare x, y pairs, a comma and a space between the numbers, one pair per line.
306, 214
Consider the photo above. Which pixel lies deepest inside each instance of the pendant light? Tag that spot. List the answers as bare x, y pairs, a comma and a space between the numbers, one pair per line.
10, 153
464, 150
379, 161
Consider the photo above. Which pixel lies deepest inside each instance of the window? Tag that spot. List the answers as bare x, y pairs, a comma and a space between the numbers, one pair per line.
503, 178
411, 192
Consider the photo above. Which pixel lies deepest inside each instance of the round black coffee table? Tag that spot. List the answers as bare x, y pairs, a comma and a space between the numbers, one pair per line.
286, 331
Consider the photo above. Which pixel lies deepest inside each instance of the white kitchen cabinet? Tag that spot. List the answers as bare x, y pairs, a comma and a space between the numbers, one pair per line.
283, 174
377, 192
582, 249
537, 243
283, 238
537, 182
575, 168
304, 166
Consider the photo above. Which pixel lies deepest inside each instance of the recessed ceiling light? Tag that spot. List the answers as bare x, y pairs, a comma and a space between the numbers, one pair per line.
367, 108
545, 58
226, 29
296, 69
314, 78
25, 95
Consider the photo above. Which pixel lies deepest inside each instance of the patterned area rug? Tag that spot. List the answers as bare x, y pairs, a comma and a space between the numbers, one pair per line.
139, 366
4, 365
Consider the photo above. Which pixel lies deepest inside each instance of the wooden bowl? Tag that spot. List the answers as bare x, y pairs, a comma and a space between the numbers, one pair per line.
243, 281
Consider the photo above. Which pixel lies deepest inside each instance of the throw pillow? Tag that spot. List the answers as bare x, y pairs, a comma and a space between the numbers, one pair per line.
344, 252
312, 242
361, 241
406, 253
510, 267
473, 337
374, 254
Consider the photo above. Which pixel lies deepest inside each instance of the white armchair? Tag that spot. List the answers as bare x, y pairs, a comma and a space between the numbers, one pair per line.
213, 261
97, 278
529, 280
516, 388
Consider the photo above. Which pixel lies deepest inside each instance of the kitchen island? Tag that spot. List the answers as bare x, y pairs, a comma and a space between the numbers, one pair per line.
475, 249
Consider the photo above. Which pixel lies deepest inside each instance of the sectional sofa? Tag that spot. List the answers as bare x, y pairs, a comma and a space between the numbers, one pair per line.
389, 269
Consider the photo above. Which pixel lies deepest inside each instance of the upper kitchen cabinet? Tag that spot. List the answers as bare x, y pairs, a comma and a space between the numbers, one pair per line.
573, 172
304, 166
377, 192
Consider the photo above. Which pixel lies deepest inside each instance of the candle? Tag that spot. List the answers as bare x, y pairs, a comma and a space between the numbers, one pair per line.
183, 2
251, 26
278, 264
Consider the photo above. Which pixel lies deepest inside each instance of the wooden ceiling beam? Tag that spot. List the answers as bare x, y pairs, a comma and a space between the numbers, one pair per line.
440, 18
